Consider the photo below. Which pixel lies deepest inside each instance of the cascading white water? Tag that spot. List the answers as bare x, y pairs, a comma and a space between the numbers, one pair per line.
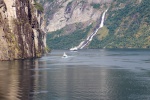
90, 37
103, 16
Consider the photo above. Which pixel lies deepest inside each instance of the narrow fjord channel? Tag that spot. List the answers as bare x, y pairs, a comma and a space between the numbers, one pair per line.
85, 75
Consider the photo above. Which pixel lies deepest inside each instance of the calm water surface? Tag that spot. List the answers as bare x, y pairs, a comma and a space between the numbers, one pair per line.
84, 75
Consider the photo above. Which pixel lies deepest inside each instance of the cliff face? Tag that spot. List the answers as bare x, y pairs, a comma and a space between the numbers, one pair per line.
20, 33
126, 25
60, 13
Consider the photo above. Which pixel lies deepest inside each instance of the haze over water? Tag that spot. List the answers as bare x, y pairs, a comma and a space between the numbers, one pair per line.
116, 74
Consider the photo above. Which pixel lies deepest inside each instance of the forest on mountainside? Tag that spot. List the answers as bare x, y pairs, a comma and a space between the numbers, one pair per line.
127, 25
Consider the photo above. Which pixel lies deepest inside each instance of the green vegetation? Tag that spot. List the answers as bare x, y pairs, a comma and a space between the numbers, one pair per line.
50, 0
39, 7
44, 1
120, 1
102, 33
95, 5
57, 40
69, 4
129, 27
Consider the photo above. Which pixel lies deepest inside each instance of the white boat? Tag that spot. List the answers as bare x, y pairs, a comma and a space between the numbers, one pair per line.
74, 49
64, 55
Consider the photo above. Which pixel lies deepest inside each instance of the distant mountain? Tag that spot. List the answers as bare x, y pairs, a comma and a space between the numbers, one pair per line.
68, 22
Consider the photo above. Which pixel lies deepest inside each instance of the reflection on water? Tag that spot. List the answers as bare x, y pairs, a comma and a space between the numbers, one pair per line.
19, 82
14, 80
84, 75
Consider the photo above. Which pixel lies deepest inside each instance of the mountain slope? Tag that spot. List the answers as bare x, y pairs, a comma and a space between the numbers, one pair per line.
126, 23
60, 13
128, 26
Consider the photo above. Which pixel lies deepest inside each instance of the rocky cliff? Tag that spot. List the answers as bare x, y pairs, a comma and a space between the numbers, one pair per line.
69, 22
20, 33
60, 13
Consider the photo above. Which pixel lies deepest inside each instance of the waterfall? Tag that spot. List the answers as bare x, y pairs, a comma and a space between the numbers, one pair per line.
90, 37
103, 17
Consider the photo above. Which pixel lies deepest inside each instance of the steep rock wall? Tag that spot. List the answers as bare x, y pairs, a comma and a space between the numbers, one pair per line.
60, 13
126, 25
20, 34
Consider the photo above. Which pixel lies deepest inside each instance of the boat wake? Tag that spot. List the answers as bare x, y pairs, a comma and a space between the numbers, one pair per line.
65, 55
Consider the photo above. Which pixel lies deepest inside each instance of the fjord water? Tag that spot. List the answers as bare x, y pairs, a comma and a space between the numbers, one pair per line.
85, 75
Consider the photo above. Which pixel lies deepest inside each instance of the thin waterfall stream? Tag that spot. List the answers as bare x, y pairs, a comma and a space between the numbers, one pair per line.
90, 37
